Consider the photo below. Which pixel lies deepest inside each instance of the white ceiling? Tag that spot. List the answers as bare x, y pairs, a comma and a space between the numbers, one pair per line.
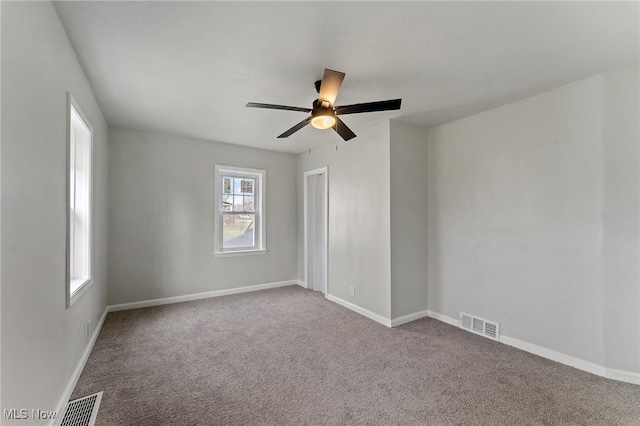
188, 68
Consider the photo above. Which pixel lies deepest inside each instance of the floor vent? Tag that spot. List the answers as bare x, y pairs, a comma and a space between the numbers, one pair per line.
83, 411
480, 326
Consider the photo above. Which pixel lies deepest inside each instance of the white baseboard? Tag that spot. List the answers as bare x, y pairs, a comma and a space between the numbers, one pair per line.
362, 311
580, 364
623, 376
443, 318
68, 390
301, 283
408, 318
197, 296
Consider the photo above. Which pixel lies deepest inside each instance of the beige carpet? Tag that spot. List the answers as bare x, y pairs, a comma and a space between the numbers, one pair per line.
289, 357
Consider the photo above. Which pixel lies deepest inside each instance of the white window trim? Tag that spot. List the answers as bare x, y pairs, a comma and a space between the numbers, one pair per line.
71, 298
260, 209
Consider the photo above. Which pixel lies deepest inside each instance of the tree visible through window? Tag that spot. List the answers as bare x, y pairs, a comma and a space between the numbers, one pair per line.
239, 212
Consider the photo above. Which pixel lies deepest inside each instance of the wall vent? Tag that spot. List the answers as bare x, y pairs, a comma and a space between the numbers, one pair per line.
480, 326
83, 411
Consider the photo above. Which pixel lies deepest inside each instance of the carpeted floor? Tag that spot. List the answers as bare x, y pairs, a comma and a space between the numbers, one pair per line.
288, 356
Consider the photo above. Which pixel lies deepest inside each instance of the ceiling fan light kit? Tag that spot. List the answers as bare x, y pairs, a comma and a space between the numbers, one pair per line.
324, 113
323, 117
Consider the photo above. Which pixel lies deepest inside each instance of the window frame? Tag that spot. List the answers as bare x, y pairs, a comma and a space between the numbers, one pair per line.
259, 175
72, 297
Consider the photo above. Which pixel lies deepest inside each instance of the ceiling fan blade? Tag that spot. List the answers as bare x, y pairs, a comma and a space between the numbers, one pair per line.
342, 129
369, 107
272, 106
295, 128
330, 86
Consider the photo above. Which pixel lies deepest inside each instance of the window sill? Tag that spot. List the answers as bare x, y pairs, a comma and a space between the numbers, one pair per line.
79, 291
239, 253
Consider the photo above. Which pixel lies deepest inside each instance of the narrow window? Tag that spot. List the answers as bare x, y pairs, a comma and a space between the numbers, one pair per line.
79, 245
239, 211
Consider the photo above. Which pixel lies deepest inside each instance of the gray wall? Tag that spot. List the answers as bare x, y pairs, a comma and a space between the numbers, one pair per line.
359, 217
161, 217
42, 341
620, 220
408, 219
533, 219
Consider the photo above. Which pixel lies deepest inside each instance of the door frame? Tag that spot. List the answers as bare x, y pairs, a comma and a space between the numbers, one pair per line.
325, 238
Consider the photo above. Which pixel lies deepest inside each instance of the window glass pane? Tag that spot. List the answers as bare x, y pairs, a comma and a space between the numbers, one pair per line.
238, 215
248, 203
238, 230
79, 202
237, 203
227, 203
72, 171
247, 186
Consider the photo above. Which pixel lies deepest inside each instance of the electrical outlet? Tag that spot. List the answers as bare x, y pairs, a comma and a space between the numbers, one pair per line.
352, 291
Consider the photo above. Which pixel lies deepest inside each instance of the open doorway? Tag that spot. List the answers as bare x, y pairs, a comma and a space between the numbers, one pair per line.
316, 200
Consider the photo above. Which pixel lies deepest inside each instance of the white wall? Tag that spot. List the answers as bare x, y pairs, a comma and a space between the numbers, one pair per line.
530, 206
359, 217
42, 341
408, 219
161, 217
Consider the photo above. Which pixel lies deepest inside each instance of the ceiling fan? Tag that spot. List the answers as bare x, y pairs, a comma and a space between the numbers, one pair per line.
324, 114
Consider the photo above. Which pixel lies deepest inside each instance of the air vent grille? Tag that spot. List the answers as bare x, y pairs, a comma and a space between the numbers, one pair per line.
466, 321
491, 330
83, 411
480, 326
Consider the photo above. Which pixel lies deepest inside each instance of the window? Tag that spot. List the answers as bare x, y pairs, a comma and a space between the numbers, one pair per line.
79, 246
239, 211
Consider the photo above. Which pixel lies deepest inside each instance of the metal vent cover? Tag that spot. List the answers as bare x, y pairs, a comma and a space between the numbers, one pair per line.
480, 326
82, 411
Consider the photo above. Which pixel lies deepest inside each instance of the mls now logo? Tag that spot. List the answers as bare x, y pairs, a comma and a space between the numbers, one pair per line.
23, 414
